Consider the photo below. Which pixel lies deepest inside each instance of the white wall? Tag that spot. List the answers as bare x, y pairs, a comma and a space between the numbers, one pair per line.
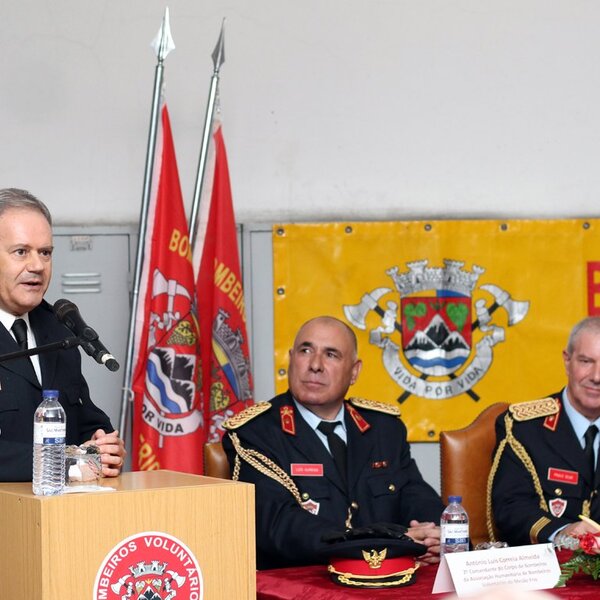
333, 109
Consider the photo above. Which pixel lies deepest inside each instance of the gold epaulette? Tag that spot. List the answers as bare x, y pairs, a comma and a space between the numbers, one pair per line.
246, 415
524, 411
374, 405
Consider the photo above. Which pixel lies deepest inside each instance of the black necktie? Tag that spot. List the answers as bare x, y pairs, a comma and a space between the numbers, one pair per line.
19, 329
590, 436
337, 446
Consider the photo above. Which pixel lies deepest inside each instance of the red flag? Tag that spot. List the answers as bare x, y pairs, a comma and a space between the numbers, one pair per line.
168, 426
227, 380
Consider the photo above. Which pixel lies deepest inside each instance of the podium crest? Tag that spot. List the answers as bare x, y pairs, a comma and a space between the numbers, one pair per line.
149, 566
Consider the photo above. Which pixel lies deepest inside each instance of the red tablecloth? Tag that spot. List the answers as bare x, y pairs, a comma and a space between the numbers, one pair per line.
313, 583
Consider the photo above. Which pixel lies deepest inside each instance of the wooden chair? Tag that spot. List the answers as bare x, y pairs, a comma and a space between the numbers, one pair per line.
215, 461
466, 460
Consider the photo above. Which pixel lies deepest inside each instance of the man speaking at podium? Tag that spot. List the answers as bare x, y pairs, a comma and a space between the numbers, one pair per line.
27, 320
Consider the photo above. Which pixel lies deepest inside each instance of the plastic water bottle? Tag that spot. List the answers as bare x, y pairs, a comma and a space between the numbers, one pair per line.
49, 433
454, 527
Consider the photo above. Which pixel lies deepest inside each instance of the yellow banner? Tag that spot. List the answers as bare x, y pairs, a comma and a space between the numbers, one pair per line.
451, 316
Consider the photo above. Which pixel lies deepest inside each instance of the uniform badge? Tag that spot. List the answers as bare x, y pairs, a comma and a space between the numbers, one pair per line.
557, 507
563, 476
311, 506
306, 470
379, 464
358, 418
551, 421
288, 422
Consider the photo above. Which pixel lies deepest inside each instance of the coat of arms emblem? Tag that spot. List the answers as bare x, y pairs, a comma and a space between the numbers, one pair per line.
437, 338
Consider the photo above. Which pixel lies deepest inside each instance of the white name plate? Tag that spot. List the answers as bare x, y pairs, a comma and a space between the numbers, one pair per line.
526, 567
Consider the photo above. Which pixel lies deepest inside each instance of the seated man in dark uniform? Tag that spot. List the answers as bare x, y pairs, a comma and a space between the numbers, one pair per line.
286, 447
544, 470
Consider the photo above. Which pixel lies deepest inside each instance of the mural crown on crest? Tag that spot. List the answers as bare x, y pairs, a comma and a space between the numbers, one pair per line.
451, 277
143, 569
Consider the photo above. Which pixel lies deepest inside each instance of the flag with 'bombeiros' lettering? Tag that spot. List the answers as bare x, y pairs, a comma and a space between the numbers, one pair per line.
227, 381
168, 421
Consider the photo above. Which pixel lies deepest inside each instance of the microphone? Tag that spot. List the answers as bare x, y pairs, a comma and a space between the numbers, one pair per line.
68, 314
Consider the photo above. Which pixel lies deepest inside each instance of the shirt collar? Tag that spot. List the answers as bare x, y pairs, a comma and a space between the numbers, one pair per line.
313, 420
578, 421
7, 319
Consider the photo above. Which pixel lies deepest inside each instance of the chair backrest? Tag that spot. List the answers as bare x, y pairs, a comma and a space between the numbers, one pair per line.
215, 461
466, 460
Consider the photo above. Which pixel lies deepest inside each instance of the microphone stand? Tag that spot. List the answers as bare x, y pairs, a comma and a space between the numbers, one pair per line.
66, 344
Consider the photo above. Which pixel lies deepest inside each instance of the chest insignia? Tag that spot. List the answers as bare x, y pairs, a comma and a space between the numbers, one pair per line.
557, 507
358, 419
551, 421
288, 420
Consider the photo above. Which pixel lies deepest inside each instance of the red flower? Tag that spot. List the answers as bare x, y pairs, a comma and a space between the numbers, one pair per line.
588, 542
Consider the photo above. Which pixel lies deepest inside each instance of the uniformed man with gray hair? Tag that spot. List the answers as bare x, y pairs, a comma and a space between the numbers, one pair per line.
544, 472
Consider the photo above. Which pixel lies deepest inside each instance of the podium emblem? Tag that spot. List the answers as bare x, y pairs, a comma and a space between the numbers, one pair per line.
149, 566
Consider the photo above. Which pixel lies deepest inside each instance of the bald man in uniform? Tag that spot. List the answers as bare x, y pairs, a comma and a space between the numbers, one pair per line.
302, 492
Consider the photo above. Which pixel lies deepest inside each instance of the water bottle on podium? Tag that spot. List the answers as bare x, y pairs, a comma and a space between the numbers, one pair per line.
454, 527
49, 433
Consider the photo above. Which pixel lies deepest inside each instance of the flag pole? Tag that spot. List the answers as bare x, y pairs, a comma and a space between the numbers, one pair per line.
163, 44
218, 57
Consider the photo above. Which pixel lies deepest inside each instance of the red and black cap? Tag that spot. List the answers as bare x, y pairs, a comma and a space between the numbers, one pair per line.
374, 563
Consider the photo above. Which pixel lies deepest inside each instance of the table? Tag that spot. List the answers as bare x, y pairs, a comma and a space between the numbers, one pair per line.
313, 583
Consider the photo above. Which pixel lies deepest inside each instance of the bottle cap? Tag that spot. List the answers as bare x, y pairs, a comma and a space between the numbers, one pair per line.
454, 499
49, 393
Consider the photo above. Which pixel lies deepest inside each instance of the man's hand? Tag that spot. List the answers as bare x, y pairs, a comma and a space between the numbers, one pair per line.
576, 529
428, 534
112, 451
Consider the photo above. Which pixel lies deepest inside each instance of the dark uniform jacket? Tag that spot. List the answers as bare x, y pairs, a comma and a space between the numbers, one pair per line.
384, 483
529, 503
21, 393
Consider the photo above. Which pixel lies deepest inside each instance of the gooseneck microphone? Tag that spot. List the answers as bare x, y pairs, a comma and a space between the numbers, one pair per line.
68, 314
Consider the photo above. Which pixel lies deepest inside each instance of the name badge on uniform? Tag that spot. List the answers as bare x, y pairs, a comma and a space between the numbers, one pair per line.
563, 476
306, 470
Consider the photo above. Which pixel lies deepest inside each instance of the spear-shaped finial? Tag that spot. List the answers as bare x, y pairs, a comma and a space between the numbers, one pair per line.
218, 54
218, 57
163, 42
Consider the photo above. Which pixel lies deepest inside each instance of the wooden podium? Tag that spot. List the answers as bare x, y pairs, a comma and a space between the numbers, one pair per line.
54, 547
